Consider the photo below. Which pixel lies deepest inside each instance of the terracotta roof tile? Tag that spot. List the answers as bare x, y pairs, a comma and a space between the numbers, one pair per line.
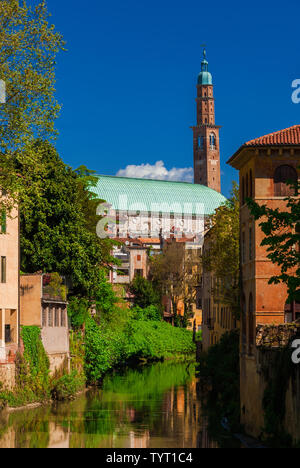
288, 136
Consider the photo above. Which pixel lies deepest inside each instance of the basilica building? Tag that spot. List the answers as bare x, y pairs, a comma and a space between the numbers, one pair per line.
141, 208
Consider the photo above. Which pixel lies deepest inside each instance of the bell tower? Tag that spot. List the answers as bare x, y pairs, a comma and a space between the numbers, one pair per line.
206, 133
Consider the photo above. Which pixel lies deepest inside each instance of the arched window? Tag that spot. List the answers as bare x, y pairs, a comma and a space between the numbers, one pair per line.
243, 190
247, 186
250, 244
244, 324
282, 175
250, 184
251, 323
201, 142
212, 141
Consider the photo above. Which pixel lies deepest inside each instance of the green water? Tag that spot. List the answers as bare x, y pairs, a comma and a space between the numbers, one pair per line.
148, 407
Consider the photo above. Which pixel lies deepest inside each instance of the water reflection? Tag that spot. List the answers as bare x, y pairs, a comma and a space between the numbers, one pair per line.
150, 407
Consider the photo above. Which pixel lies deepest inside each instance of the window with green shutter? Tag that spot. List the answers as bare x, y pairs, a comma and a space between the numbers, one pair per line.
3, 269
3, 222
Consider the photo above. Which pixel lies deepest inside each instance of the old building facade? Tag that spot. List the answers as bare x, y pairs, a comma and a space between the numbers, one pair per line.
264, 165
218, 318
9, 285
43, 304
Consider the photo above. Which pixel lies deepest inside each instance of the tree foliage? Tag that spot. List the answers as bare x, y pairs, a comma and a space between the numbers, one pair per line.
222, 256
282, 240
145, 292
176, 272
106, 347
54, 211
28, 48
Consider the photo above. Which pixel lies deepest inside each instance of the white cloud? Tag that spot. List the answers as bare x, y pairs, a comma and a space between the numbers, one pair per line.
158, 171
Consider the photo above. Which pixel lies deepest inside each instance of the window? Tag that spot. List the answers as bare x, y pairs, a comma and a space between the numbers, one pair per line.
212, 141
8, 337
138, 272
44, 317
201, 142
251, 323
282, 175
50, 317
243, 190
243, 324
250, 243
250, 184
139, 258
63, 318
3, 269
243, 247
56, 317
3, 222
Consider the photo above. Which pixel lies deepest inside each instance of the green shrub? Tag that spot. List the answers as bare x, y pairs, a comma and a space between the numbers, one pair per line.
67, 386
145, 293
156, 340
107, 347
32, 372
78, 311
151, 312
103, 349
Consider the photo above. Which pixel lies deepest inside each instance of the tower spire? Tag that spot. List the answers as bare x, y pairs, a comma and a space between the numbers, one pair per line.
206, 132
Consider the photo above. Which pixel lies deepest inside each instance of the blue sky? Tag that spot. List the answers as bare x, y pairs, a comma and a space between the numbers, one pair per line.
127, 82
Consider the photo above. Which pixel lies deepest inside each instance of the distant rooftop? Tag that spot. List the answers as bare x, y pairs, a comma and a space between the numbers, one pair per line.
134, 194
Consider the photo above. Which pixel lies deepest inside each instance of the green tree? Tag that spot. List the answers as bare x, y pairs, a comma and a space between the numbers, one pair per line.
282, 239
176, 272
28, 48
144, 291
222, 256
152, 313
55, 236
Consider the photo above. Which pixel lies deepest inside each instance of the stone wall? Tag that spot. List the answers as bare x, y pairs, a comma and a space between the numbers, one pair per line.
276, 336
7, 376
261, 368
59, 362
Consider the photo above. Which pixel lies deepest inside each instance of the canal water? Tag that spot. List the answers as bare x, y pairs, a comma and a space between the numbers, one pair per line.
153, 406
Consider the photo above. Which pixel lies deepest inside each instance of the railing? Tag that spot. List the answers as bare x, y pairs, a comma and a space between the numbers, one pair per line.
121, 279
123, 257
210, 323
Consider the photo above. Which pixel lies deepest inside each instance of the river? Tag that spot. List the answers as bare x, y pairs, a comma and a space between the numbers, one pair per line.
153, 406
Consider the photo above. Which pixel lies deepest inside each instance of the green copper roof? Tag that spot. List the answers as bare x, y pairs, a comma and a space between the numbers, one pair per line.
153, 195
204, 77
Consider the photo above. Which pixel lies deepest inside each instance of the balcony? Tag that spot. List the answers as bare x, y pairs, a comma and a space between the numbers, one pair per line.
54, 288
123, 257
122, 279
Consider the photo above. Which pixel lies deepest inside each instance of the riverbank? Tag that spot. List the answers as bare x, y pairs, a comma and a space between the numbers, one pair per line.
100, 350
151, 405
113, 344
